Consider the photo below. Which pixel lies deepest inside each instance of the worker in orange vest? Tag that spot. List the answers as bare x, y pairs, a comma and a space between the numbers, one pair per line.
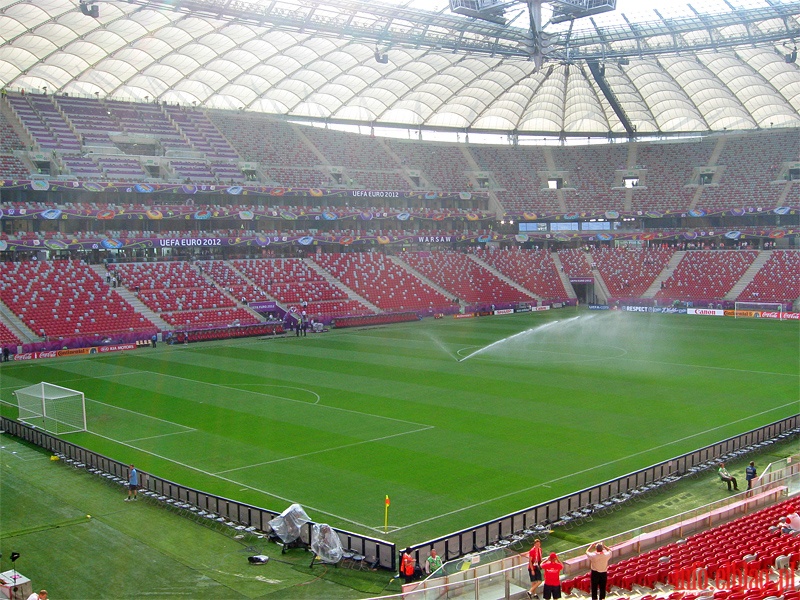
407, 565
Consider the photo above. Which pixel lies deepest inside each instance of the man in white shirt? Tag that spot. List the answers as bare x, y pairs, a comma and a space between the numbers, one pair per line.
599, 556
789, 524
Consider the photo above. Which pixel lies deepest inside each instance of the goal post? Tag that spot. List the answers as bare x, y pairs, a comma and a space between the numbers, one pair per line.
51, 407
749, 309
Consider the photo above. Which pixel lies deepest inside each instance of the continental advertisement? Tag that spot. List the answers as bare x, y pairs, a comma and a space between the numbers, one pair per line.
73, 352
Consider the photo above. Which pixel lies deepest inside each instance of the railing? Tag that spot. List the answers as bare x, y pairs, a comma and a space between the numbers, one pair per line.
454, 545
478, 537
508, 577
378, 319
225, 332
377, 551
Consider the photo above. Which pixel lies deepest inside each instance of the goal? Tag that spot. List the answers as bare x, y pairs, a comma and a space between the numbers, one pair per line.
750, 309
51, 407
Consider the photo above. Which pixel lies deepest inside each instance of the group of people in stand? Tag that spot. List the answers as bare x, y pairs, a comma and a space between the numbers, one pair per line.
408, 565
750, 473
549, 571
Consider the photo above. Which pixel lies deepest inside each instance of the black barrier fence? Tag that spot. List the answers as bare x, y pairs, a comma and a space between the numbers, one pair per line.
453, 545
538, 518
375, 551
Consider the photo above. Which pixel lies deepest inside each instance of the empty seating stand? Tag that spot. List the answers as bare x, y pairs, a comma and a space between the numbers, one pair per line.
628, 273
292, 282
464, 278
385, 284
8, 337
40, 117
181, 296
9, 140
718, 555
231, 280
66, 298
574, 263
534, 270
706, 274
777, 281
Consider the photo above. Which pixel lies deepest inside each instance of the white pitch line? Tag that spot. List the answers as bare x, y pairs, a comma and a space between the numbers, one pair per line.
658, 362
593, 468
228, 387
83, 378
285, 458
152, 437
141, 414
233, 481
288, 387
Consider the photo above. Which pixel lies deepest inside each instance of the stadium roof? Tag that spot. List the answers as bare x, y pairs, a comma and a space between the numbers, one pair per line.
662, 72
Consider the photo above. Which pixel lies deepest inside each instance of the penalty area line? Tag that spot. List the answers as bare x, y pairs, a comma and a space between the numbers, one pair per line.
333, 449
144, 415
153, 437
321, 406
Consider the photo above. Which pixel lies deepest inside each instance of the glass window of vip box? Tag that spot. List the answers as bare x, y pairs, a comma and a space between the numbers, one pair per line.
526, 227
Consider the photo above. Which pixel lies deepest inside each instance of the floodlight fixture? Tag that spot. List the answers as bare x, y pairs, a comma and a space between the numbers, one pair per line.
381, 57
563, 10
790, 57
89, 8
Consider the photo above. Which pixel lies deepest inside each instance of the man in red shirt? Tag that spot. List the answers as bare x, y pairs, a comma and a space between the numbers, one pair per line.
552, 577
534, 568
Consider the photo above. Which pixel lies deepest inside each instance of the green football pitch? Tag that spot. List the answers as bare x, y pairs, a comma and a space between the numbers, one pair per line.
457, 421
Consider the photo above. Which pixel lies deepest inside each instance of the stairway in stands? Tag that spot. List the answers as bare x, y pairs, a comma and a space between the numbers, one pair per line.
404, 265
563, 276
664, 275
760, 261
338, 284
16, 326
499, 275
134, 301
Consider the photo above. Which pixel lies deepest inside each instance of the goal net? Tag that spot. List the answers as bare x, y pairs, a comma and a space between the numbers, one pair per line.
51, 407
750, 309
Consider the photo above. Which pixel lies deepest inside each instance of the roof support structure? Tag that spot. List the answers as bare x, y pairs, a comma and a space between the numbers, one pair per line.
392, 25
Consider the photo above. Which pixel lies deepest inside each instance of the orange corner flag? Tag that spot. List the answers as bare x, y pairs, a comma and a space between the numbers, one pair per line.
386, 516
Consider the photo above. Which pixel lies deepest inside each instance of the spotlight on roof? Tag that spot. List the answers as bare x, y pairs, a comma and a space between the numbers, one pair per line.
563, 10
569, 10
381, 57
90, 9
790, 57
488, 10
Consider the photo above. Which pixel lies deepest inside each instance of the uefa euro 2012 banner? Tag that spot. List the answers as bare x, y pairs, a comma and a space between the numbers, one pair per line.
65, 242
231, 189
